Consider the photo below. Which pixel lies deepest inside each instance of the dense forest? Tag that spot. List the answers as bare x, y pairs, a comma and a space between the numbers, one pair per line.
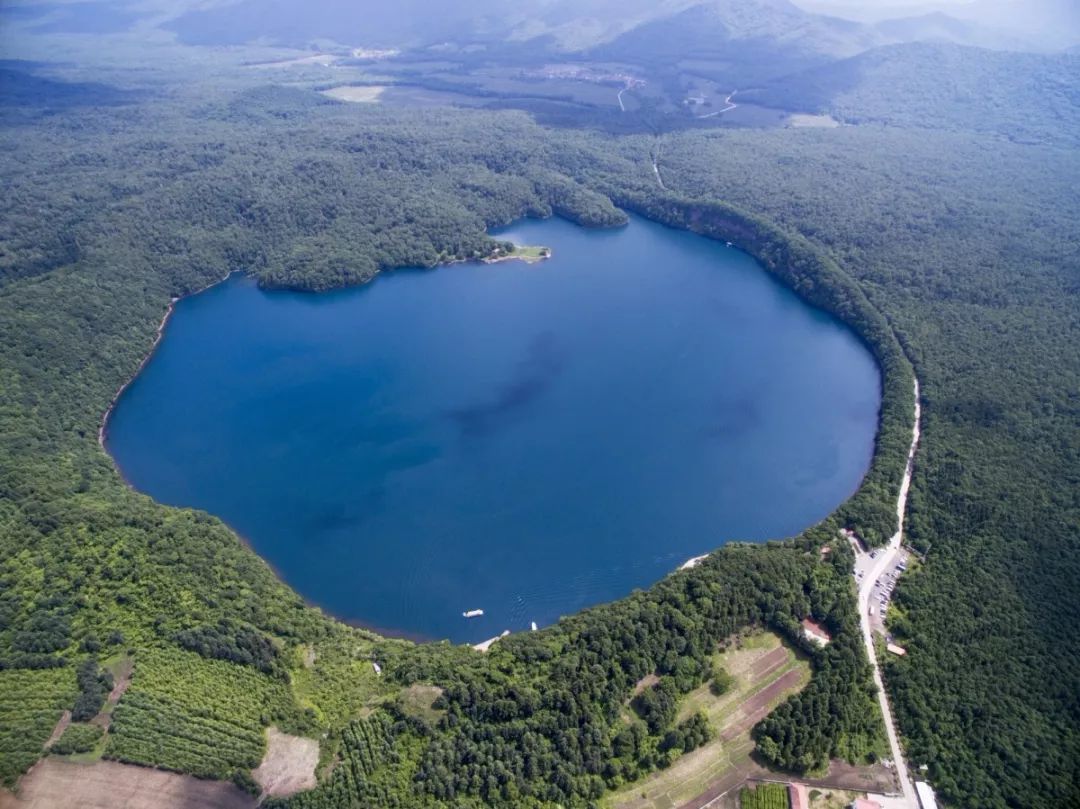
966, 244
217, 641
950, 252
1029, 98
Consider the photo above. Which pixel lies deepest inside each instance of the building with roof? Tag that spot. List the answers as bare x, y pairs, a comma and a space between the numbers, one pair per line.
815, 632
925, 793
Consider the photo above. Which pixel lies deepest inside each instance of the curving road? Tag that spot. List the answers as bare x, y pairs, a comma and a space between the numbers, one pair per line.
730, 106
886, 557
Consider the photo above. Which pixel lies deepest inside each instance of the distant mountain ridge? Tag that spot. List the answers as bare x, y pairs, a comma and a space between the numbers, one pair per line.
567, 26
739, 41
1044, 26
745, 34
940, 27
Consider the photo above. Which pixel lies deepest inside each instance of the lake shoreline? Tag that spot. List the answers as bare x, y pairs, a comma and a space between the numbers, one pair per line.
103, 430
494, 394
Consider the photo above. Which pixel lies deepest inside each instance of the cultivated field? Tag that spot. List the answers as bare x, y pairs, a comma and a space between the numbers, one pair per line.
765, 672
54, 783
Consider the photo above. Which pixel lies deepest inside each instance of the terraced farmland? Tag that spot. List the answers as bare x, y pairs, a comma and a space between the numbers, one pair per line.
765, 672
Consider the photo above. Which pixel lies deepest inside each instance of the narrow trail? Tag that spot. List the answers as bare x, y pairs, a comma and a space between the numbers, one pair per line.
656, 165
622, 106
730, 106
656, 171
885, 558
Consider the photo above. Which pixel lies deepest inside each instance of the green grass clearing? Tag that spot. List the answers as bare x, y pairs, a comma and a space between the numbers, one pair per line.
529, 253
416, 700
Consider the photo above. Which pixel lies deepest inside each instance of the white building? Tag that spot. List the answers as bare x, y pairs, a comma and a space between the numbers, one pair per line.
926, 795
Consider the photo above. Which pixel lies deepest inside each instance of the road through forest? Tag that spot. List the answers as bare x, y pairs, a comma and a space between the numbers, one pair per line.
882, 562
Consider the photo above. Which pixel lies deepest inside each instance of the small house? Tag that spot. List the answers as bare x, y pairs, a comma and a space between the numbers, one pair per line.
815, 632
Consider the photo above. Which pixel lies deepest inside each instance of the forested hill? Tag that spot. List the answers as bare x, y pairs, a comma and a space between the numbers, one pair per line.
1029, 98
310, 194
957, 247
967, 244
559, 24
742, 42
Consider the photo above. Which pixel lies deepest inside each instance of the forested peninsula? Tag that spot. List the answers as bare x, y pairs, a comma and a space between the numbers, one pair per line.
115, 211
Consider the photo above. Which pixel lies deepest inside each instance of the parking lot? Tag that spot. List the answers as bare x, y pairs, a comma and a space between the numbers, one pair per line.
882, 589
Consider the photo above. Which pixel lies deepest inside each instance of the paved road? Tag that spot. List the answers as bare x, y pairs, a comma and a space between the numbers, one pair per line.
877, 569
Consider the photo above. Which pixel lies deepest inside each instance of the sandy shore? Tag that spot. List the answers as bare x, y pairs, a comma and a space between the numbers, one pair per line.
692, 563
485, 645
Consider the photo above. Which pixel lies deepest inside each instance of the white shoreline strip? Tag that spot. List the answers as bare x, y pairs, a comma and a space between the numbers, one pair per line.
485, 645
694, 562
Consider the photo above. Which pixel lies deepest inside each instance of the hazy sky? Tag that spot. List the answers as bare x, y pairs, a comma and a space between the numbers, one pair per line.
1053, 23
877, 9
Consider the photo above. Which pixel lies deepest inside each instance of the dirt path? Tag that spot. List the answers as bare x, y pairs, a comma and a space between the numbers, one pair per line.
58, 731
120, 685
882, 562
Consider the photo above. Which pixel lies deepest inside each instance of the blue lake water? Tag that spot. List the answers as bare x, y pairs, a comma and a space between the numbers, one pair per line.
523, 439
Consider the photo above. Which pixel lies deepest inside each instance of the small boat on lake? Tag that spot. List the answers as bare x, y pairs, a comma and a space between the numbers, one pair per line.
472, 614
534, 626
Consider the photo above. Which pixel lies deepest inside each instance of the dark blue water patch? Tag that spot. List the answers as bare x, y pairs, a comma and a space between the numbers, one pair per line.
523, 439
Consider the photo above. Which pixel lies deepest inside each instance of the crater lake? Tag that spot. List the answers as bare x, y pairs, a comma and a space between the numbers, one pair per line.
525, 439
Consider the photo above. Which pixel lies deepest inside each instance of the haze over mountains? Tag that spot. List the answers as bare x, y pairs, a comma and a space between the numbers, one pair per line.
836, 27
947, 66
1029, 24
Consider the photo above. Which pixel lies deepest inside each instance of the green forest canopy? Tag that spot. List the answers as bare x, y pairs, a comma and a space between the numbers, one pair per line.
952, 249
